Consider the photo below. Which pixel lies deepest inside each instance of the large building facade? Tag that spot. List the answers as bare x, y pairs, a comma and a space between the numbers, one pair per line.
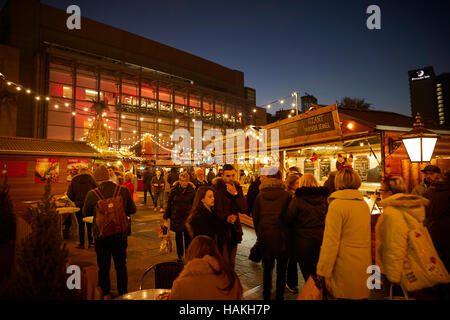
430, 95
147, 86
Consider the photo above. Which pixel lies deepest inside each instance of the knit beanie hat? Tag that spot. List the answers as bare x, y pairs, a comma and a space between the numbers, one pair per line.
101, 174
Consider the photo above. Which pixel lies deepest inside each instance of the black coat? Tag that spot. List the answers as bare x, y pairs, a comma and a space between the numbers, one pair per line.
200, 183
147, 177
438, 213
179, 205
205, 222
226, 204
252, 193
306, 214
268, 217
172, 178
80, 185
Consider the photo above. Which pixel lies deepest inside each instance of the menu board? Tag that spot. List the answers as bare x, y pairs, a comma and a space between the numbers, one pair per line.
13, 169
361, 166
46, 169
308, 126
309, 167
324, 167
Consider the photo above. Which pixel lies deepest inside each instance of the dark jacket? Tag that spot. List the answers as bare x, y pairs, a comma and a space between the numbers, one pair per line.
205, 222
226, 204
268, 213
252, 192
147, 177
107, 189
438, 213
210, 177
306, 214
79, 187
179, 205
172, 178
160, 184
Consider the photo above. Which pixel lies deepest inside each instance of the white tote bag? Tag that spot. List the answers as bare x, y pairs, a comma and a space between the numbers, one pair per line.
422, 267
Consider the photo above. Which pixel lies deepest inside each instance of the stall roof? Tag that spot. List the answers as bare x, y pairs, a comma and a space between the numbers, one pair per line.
18, 145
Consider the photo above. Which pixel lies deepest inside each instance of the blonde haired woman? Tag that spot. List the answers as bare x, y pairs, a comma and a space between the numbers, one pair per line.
346, 248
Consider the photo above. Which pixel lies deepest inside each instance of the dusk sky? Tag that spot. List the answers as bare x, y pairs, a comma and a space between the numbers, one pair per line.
320, 47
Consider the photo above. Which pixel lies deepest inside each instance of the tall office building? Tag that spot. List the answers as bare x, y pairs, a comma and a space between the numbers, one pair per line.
443, 98
430, 95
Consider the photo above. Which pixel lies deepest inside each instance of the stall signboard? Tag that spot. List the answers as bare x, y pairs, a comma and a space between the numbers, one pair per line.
361, 166
309, 167
74, 166
13, 169
47, 168
325, 168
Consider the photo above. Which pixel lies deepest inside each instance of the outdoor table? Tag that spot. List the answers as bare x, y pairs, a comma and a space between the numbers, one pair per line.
148, 294
68, 210
89, 219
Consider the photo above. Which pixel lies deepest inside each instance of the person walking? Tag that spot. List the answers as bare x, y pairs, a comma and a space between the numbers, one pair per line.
206, 275
147, 182
114, 245
202, 219
291, 184
158, 191
229, 202
306, 218
252, 193
128, 183
199, 179
346, 253
80, 185
211, 175
268, 218
391, 230
173, 176
179, 205
432, 174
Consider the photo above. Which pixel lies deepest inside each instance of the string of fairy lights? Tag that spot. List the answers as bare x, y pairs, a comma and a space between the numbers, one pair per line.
290, 101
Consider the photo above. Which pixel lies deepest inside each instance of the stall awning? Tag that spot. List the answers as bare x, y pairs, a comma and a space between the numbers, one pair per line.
30, 146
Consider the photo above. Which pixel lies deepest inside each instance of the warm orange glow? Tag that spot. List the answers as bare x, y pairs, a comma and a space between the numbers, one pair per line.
350, 125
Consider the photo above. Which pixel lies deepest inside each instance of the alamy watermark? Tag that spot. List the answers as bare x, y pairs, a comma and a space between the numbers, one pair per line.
374, 20
74, 20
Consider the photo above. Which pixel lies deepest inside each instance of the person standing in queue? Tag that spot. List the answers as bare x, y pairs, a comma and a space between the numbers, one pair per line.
179, 205
147, 181
109, 244
229, 202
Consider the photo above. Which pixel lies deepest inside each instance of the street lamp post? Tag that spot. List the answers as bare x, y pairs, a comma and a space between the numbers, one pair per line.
419, 142
295, 93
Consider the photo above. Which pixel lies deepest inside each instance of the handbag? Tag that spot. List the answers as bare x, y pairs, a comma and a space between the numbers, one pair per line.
313, 289
422, 267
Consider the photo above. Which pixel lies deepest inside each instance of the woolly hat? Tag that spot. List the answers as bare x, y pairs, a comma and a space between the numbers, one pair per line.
101, 174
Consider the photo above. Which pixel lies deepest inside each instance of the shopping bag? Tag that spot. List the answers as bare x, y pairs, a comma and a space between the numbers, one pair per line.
405, 294
163, 233
312, 289
422, 267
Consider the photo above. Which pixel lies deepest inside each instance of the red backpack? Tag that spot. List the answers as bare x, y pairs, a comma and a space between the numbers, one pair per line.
110, 217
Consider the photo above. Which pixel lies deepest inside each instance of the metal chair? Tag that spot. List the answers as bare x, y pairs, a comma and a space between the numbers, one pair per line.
165, 274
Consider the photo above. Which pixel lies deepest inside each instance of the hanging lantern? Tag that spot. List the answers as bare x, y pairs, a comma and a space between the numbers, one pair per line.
419, 142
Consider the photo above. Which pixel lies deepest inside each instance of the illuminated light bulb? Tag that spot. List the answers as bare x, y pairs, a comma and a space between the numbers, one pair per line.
38, 98
19, 88
160, 134
361, 144
289, 116
104, 124
85, 109
134, 131
142, 119
74, 113
176, 120
89, 119
281, 101
28, 91
9, 83
123, 117
47, 98
254, 110
268, 106
292, 111
56, 106
293, 104
107, 120
350, 125
66, 104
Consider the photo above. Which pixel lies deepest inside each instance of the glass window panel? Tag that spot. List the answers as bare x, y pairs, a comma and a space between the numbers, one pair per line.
56, 117
165, 107
60, 74
58, 133
165, 94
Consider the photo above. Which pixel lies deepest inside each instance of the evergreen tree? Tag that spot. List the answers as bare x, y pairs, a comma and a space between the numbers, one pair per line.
40, 270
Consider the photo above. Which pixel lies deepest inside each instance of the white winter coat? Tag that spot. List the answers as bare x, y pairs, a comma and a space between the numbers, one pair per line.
392, 230
346, 248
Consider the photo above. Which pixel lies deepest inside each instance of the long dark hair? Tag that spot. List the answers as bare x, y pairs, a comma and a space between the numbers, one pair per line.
199, 196
204, 245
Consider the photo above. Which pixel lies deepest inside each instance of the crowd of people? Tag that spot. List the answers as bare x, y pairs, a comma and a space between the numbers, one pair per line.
323, 231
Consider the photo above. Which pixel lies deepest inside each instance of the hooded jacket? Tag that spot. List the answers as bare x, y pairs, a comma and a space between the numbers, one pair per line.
226, 204
346, 253
391, 232
268, 214
197, 281
80, 185
306, 213
179, 205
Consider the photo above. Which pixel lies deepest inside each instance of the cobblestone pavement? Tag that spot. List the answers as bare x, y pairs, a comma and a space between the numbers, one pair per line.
143, 251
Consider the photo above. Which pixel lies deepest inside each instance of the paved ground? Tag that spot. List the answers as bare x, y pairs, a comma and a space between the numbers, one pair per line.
143, 251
